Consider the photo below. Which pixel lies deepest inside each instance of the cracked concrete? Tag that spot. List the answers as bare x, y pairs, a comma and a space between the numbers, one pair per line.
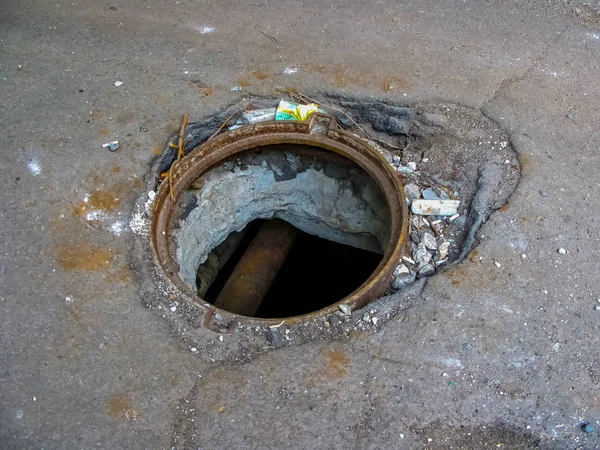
87, 365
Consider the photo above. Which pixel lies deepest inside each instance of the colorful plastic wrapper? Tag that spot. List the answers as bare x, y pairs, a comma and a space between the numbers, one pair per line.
292, 111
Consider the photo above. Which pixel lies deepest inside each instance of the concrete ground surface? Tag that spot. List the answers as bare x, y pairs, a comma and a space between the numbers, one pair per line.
488, 357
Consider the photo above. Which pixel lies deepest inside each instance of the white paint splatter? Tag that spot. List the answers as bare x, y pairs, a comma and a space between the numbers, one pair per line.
451, 362
139, 223
94, 215
290, 70
206, 30
34, 167
117, 228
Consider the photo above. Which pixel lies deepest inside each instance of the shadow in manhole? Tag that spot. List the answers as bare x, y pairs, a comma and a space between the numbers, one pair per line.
316, 273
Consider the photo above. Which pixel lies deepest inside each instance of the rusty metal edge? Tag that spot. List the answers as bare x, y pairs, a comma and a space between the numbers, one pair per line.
211, 152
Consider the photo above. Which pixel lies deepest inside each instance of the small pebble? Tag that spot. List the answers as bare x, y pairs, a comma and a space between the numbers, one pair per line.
275, 338
497, 264
588, 428
543, 193
221, 338
173, 308
562, 251
118, 83
597, 307
523, 256
345, 309
412, 165
569, 116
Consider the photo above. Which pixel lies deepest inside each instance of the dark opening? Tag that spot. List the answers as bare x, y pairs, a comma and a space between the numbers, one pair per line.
316, 273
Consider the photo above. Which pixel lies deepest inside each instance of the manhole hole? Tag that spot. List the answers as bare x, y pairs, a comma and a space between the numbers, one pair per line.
284, 232
334, 213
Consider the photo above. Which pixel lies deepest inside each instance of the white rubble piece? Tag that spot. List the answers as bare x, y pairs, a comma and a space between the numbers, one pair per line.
442, 250
429, 240
401, 270
421, 255
112, 146
435, 207
260, 115
402, 277
345, 309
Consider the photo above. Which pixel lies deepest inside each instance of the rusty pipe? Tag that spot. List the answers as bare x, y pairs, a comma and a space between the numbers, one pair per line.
252, 277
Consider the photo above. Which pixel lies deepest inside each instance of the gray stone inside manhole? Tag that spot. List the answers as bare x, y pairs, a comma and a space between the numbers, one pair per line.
452, 149
333, 199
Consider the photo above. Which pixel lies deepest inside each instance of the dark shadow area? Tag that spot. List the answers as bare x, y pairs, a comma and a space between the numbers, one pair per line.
316, 273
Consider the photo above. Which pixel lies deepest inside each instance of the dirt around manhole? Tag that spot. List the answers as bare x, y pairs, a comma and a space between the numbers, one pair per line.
451, 149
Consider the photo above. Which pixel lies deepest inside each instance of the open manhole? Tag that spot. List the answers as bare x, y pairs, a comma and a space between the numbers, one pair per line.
283, 232
281, 220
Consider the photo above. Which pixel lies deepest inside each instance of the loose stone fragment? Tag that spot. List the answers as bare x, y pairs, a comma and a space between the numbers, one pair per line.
345, 309
429, 194
426, 270
443, 248
411, 191
429, 240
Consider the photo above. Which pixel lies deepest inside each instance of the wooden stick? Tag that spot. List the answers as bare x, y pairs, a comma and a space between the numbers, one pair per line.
181, 132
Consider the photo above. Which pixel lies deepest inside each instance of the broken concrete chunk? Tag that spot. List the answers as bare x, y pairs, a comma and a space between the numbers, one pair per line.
426, 270
435, 207
437, 226
401, 270
421, 255
411, 191
345, 309
414, 236
403, 280
402, 277
429, 240
260, 115
430, 194
443, 248
408, 260
274, 337
412, 165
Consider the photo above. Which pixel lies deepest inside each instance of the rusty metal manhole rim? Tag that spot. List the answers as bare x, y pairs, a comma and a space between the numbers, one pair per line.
312, 133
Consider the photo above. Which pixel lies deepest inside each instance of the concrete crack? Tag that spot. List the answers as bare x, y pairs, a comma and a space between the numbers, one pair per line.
507, 83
